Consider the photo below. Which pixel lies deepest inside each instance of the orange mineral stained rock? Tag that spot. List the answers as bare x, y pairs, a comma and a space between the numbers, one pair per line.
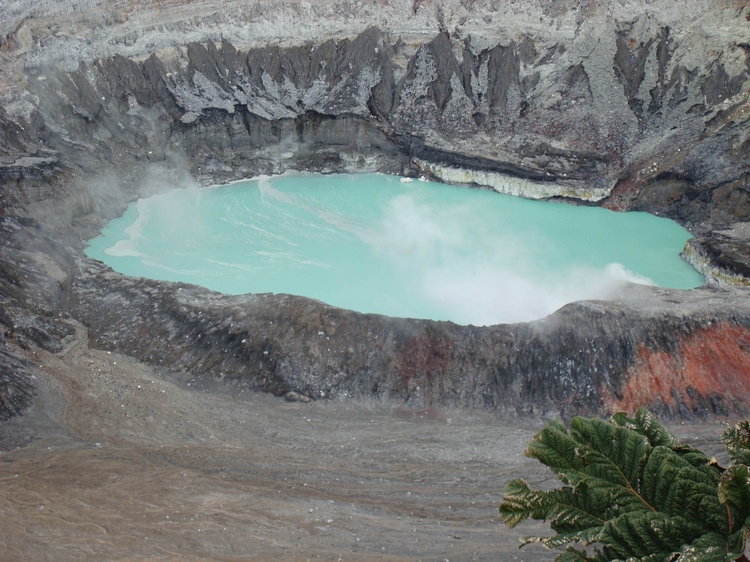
711, 364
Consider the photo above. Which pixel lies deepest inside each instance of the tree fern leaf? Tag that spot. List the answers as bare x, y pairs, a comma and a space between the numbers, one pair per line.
737, 441
657, 435
659, 557
605, 476
609, 458
736, 542
552, 542
585, 537
574, 555
521, 502
734, 492
637, 493
555, 448
646, 424
641, 534
571, 513
674, 486
709, 547
618, 453
577, 510
697, 459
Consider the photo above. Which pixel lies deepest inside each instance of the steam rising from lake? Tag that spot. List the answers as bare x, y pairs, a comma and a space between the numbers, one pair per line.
374, 244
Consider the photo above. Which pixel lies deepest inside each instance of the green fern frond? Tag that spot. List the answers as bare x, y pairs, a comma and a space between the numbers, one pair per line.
572, 514
617, 453
737, 441
710, 547
578, 510
657, 435
642, 534
677, 487
555, 448
574, 555
520, 502
636, 493
608, 458
660, 557
734, 493
647, 425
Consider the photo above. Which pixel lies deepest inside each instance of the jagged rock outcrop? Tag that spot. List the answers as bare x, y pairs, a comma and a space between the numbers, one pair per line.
633, 105
601, 104
723, 255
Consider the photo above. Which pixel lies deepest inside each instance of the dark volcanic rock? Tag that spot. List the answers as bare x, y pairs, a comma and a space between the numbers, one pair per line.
17, 384
723, 256
580, 360
597, 101
34, 276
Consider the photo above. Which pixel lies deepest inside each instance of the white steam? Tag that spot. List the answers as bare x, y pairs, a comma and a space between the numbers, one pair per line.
129, 246
475, 276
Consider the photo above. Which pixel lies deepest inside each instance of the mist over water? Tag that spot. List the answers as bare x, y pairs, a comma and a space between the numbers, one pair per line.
374, 244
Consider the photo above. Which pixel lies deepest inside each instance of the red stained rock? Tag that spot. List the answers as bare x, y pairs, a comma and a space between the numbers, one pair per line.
711, 365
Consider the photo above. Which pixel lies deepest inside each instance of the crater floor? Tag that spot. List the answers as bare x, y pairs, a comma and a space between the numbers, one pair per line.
123, 463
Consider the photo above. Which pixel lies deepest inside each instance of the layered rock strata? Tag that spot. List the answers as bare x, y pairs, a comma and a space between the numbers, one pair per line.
631, 105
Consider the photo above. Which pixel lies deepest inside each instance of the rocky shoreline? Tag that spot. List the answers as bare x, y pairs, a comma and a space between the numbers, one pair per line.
635, 106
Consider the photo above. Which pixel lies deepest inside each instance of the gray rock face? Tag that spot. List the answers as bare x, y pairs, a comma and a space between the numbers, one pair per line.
605, 104
580, 360
723, 256
643, 104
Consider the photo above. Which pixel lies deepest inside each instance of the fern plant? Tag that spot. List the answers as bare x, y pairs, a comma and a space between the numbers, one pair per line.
631, 491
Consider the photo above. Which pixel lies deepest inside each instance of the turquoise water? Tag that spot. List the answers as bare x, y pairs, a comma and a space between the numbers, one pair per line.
375, 244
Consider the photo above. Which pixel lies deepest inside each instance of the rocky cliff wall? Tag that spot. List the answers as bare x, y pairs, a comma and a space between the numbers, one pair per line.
640, 98
635, 105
